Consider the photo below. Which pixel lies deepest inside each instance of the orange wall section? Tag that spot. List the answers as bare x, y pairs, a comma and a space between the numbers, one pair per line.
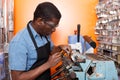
73, 12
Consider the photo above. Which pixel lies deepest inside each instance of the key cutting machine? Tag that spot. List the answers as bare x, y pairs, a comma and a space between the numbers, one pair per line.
81, 64
95, 67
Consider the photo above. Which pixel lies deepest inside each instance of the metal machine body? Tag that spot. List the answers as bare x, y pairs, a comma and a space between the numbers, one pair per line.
85, 67
97, 70
79, 65
95, 67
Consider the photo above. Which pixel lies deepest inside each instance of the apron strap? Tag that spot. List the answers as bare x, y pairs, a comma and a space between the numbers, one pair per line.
31, 35
46, 38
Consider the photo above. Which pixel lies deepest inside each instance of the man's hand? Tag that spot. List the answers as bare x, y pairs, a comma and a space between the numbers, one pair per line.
55, 49
54, 59
66, 48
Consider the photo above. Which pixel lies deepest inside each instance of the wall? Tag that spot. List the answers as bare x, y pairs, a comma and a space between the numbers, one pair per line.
73, 12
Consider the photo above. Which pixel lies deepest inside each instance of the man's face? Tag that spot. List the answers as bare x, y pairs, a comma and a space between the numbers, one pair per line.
49, 26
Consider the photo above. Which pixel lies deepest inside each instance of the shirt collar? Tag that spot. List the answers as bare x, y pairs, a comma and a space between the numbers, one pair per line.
35, 34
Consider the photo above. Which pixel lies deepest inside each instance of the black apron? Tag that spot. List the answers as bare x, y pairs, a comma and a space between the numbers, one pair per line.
43, 53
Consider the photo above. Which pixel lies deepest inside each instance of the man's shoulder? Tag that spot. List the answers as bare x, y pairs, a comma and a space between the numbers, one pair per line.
21, 35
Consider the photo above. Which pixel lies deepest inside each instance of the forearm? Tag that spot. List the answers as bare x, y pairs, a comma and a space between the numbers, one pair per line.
30, 75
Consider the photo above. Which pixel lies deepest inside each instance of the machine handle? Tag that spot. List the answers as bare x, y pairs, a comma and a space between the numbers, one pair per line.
78, 33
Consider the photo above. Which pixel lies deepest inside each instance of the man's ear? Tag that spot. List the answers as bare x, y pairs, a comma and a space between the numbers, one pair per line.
39, 21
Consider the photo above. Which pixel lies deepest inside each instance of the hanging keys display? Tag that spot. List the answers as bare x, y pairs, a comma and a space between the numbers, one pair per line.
108, 28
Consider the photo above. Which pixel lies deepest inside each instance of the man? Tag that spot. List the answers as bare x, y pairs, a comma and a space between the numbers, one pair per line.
31, 51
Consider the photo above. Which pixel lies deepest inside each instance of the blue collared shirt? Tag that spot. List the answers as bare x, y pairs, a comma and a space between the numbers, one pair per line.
22, 52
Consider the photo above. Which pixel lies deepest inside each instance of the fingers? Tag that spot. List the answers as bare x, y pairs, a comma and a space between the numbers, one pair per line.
54, 59
67, 49
57, 60
55, 50
58, 57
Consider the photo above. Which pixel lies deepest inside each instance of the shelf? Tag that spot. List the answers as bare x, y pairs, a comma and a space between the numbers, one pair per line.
108, 57
109, 43
106, 36
109, 50
108, 29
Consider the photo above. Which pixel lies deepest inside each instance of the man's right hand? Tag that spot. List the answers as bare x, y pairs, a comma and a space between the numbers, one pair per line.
54, 59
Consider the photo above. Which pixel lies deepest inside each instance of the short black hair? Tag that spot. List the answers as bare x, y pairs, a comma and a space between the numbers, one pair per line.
47, 11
